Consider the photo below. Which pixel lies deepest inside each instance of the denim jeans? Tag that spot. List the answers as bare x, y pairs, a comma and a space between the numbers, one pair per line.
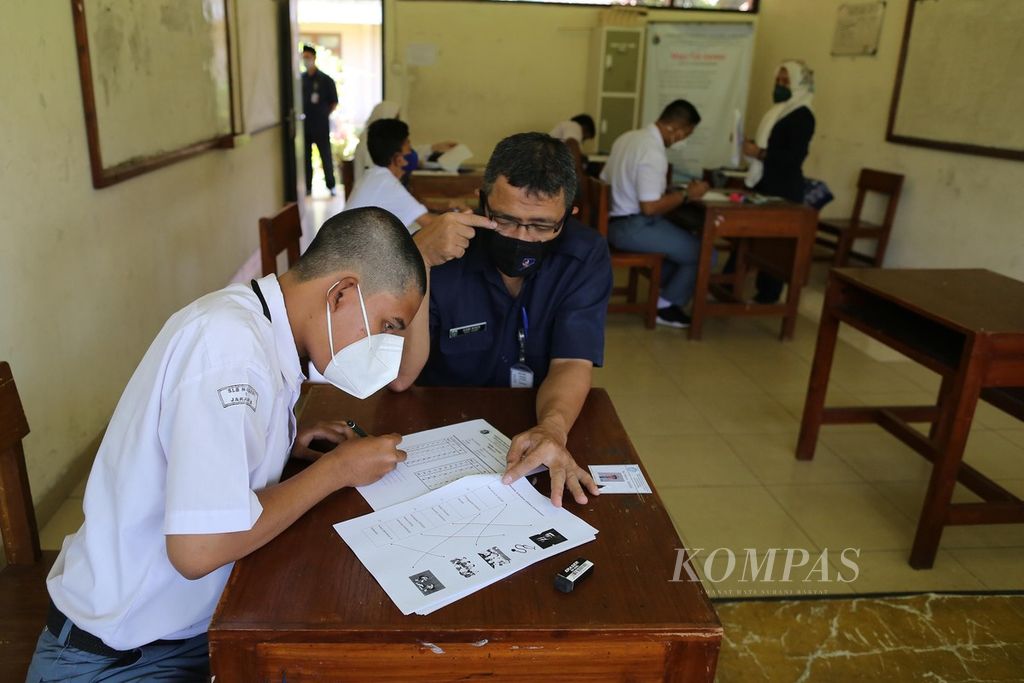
184, 661
657, 234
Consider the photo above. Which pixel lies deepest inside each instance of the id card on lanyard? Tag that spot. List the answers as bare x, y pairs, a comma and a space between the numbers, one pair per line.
520, 376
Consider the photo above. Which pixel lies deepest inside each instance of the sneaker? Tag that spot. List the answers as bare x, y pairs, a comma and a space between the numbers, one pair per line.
672, 316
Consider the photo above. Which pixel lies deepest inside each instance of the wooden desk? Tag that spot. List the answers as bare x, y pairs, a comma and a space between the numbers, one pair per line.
776, 237
966, 325
304, 608
430, 187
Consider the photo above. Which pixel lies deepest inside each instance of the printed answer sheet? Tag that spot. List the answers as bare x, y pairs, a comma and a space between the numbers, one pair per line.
431, 551
438, 457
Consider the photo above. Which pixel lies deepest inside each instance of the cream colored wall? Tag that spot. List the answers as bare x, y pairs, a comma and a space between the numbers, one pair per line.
501, 68
87, 277
957, 210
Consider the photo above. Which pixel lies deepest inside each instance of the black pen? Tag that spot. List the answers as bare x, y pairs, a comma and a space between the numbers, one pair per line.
356, 428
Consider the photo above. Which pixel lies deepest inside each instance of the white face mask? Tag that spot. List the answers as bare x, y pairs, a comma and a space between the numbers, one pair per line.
308, 63
678, 145
366, 365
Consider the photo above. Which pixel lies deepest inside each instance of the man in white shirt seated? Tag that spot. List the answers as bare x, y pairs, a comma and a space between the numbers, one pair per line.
388, 143
187, 479
637, 170
574, 133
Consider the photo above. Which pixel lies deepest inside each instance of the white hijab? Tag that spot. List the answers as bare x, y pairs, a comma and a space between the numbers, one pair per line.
801, 82
362, 160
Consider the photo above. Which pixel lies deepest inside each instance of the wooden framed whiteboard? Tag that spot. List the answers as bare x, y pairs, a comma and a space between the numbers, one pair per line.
156, 82
959, 85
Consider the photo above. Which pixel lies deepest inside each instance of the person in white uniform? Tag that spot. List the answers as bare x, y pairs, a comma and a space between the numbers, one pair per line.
574, 133
637, 170
362, 162
388, 142
186, 480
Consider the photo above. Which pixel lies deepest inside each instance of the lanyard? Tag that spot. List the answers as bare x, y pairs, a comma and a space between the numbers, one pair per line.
524, 329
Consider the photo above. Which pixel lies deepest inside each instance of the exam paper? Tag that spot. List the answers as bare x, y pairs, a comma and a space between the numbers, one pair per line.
433, 550
714, 196
437, 457
620, 479
453, 158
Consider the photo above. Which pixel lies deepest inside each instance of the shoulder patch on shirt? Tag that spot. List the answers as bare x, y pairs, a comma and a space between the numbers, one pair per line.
239, 395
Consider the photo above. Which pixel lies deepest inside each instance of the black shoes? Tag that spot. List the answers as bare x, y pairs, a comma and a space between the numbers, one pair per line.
673, 316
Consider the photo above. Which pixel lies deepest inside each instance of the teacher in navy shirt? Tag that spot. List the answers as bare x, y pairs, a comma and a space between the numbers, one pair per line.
518, 301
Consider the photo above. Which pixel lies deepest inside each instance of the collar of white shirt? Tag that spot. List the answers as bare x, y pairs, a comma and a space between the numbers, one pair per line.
287, 353
656, 133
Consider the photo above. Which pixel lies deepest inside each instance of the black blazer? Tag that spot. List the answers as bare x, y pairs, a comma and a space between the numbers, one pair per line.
784, 157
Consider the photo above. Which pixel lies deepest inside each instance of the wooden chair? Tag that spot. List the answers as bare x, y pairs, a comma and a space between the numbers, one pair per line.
278, 233
23, 593
348, 176
840, 233
638, 264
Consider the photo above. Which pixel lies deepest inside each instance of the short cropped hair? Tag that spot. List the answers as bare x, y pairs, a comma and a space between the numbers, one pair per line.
369, 241
587, 124
681, 112
539, 163
308, 48
385, 138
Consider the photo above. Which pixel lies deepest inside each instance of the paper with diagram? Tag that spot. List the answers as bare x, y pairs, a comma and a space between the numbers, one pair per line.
437, 457
428, 552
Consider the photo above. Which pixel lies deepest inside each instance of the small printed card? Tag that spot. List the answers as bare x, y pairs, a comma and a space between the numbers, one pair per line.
619, 479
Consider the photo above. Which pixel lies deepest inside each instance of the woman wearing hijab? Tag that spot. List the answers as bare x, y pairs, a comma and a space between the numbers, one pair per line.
776, 155
389, 110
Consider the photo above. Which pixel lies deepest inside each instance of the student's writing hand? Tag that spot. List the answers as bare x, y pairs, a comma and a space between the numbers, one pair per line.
333, 432
364, 461
750, 149
448, 236
697, 189
546, 446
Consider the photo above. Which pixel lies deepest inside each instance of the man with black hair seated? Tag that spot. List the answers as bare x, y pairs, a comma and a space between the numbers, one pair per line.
523, 307
637, 170
187, 479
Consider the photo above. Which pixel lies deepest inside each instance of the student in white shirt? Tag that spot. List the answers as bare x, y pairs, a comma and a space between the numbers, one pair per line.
388, 143
637, 168
390, 110
579, 128
186, 480
574, 133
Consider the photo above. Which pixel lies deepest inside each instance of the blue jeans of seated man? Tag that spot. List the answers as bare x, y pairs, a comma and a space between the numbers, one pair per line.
657, 234
184, 661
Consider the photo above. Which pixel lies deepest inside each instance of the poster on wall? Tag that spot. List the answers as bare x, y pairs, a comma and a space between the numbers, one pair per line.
709, 65
858, 26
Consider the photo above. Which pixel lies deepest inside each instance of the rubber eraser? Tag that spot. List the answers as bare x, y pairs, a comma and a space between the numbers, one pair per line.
567, 579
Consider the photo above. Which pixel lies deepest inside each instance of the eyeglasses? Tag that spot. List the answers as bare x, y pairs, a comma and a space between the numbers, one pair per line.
509, 224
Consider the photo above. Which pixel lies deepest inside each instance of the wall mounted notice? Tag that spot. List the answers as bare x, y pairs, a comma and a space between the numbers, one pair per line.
709, 65
857, 29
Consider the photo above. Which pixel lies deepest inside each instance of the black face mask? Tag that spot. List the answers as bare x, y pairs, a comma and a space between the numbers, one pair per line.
516, 258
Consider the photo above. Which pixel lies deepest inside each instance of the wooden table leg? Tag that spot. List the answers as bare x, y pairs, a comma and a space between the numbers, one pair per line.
798, 274
700, 292
817, 387
953, 428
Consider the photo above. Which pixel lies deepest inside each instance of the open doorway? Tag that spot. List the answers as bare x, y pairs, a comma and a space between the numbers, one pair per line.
347, 36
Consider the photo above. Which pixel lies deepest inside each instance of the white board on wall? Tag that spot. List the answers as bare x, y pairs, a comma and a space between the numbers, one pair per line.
960, 86
707, 64
156, 82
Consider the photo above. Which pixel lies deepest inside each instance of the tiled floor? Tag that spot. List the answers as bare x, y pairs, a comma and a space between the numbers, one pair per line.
716, 422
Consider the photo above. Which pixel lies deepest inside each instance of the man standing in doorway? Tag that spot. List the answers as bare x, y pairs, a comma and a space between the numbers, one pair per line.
319, 99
